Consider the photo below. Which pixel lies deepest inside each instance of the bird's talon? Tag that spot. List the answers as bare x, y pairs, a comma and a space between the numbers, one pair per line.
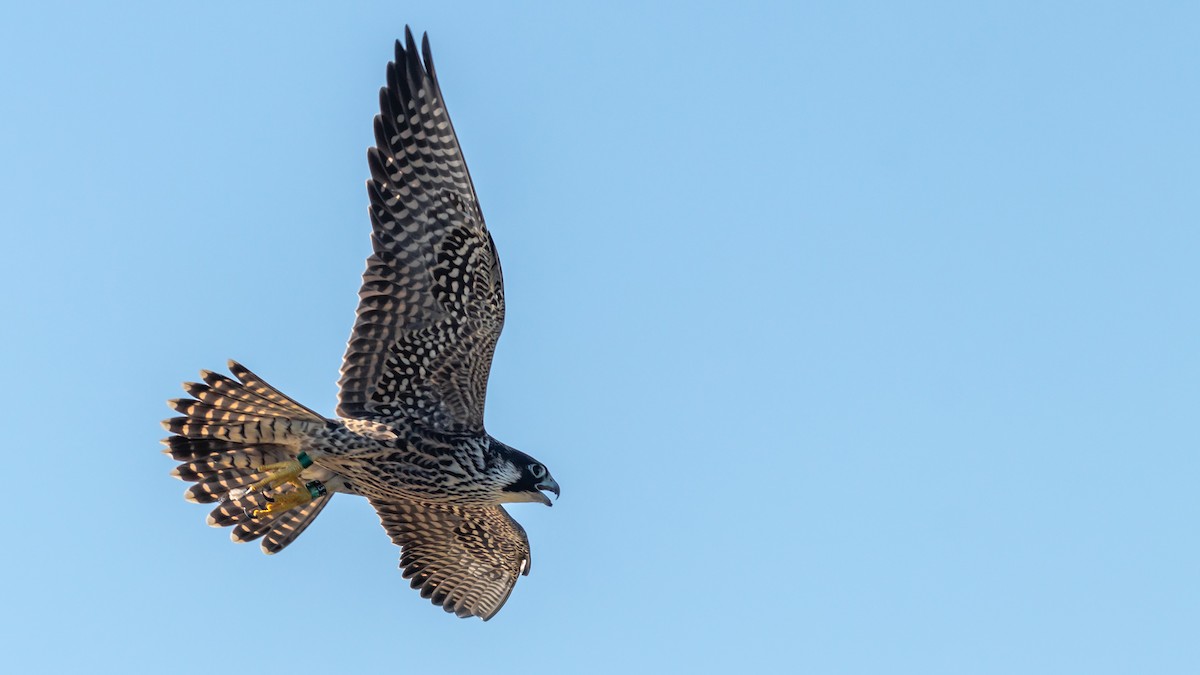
278, 474
298, 496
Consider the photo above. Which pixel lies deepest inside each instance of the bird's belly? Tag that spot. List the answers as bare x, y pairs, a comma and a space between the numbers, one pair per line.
394, 476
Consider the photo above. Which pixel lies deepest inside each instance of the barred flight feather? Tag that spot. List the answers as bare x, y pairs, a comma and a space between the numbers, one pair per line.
467, 560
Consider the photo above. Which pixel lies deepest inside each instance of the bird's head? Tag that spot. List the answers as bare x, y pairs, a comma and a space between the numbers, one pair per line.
527, 478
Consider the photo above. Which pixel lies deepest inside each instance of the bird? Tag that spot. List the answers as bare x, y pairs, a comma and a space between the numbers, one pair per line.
408, 433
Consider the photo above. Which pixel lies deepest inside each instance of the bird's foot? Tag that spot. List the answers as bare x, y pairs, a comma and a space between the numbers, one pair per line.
299, 495
282, 472
279, 475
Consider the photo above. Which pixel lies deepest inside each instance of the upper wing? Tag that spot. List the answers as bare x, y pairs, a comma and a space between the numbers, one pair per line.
432, 300
465, 559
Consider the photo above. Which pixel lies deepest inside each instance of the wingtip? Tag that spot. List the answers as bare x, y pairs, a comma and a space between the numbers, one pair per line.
408, 35
427, 54
403, 47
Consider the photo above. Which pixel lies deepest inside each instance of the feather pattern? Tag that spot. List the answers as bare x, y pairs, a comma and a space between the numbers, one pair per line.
228, 432
431, 305
464, 559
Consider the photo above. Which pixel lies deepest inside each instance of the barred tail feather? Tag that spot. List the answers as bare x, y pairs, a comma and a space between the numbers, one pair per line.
292, 524
249, 430
285, 528
228, 430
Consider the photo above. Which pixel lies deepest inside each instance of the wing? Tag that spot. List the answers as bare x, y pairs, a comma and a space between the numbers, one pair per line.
466, 560
431, 305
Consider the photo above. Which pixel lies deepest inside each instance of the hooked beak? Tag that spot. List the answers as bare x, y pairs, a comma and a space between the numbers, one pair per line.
551, 485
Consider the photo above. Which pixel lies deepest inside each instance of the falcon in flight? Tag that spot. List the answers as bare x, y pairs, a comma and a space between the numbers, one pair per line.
409, 434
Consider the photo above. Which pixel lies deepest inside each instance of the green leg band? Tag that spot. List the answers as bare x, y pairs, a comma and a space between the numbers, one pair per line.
316, 488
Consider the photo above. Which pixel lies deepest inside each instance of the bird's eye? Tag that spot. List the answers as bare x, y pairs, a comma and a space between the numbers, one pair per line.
537, 470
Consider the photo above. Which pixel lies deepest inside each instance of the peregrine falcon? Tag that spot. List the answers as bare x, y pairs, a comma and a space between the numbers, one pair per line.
409, 435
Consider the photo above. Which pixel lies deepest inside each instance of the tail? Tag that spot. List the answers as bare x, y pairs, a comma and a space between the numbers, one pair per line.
229, 429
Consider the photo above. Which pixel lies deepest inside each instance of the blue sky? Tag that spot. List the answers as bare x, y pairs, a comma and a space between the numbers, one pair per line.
862, 337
